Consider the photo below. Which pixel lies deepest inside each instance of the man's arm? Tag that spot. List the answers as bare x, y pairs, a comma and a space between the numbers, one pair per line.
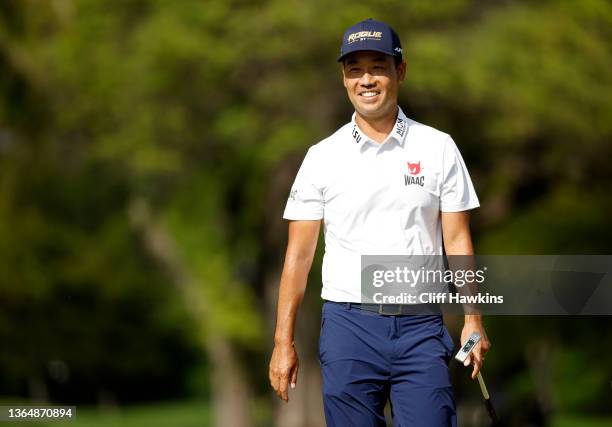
458, 241
303, 236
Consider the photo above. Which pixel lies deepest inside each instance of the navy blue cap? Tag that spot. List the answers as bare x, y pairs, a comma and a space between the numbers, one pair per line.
371, 35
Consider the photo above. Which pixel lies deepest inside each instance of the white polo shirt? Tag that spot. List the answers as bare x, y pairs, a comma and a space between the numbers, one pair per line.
378, 199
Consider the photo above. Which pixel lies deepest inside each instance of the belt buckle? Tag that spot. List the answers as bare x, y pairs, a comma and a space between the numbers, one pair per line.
382, 311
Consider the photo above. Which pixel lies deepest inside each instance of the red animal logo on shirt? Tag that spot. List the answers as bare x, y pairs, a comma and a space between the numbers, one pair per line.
414, 168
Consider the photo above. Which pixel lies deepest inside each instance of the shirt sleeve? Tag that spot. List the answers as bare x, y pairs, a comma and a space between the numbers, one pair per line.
457, 193
306, 197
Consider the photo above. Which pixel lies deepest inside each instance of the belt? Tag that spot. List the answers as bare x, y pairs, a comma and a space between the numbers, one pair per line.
397, 309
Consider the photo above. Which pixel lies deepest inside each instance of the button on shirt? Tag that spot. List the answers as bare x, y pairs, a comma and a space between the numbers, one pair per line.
378, 199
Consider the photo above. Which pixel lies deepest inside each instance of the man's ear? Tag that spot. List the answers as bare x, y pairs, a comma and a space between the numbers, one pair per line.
401, 71
343, 74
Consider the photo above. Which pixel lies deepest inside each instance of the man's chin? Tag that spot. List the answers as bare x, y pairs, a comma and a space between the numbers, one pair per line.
370, 111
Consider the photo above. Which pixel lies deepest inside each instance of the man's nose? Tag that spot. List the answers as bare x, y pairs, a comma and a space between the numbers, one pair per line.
366, 80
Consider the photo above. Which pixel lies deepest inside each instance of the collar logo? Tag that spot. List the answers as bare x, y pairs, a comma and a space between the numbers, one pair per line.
411, 178
400, 127
356, 134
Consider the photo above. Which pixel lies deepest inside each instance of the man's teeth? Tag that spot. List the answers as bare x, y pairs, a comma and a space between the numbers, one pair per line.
369, 94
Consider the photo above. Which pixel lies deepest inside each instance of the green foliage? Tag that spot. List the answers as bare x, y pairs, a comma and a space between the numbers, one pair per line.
567, 222
579, 389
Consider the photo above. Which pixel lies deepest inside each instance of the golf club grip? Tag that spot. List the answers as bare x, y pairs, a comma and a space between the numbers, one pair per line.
483, 387
491, 410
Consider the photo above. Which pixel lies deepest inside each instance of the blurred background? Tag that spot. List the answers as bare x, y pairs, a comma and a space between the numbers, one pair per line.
147, 148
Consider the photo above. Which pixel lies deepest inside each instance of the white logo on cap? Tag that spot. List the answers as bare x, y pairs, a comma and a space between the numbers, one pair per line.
360, 35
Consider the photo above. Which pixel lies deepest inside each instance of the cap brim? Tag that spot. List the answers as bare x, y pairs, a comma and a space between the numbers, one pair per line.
344, 55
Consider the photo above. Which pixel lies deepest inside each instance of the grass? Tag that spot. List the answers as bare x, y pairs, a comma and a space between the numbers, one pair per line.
198, 414
580, 421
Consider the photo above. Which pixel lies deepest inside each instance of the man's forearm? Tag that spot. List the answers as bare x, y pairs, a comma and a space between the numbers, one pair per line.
298, 260
460, 251
290, 295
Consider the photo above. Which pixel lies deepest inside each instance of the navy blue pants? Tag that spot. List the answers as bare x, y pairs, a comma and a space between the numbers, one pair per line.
367, 359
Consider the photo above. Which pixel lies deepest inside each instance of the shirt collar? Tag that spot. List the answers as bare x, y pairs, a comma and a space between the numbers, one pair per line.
397, 134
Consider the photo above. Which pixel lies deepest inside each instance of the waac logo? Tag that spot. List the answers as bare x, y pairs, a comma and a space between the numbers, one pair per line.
414, 169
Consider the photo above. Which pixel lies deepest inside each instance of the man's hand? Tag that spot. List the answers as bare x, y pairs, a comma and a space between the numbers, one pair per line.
473, 323
284, 365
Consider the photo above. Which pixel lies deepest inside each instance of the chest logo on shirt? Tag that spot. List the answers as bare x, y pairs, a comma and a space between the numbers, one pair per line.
414, 169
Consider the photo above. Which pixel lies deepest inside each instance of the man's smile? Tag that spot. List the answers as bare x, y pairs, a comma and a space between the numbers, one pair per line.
369, 96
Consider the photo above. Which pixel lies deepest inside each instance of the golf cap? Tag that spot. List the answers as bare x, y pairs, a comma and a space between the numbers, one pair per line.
370, 35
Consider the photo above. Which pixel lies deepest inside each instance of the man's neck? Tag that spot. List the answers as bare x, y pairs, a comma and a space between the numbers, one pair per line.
377, 128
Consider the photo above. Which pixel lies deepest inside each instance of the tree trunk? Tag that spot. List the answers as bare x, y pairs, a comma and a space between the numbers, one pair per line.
230, 389
37, 389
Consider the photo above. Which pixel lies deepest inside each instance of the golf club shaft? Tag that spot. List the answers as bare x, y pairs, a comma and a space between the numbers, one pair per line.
487, 398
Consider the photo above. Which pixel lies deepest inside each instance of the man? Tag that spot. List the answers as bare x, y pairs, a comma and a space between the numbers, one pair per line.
382, 184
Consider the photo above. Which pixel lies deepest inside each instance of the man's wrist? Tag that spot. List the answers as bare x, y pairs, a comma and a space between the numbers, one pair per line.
283, 341
473, 319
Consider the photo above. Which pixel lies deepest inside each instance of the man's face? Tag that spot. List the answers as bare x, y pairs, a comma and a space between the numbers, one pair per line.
372, 82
